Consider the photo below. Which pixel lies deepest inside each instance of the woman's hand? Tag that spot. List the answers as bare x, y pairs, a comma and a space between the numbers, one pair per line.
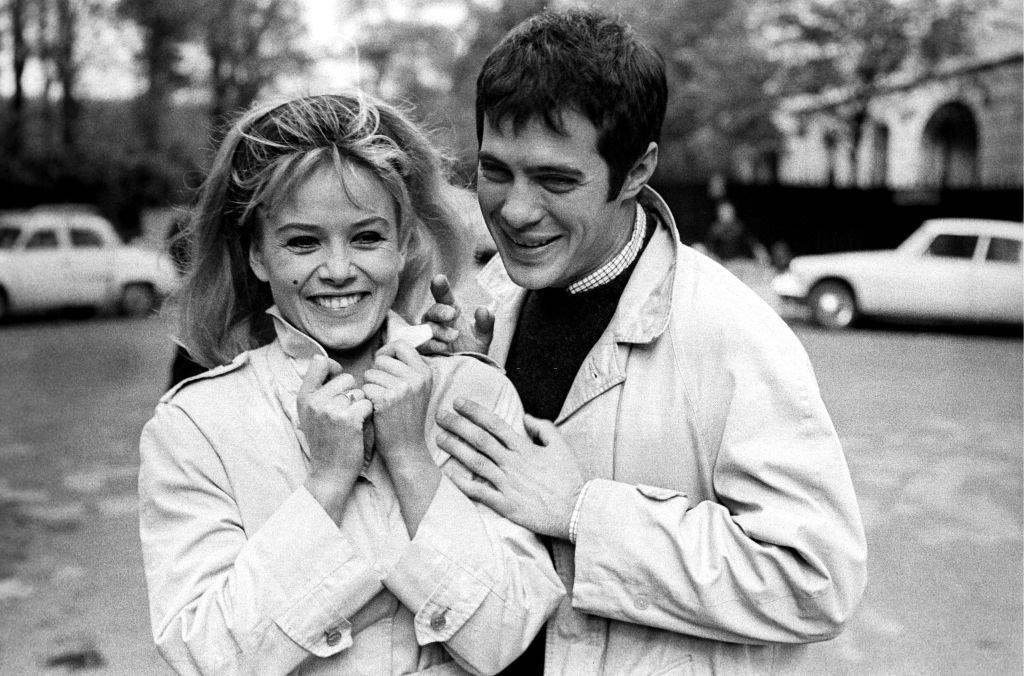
399, 385
332, 413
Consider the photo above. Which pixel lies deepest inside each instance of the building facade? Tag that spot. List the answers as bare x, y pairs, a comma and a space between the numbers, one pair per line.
959, 126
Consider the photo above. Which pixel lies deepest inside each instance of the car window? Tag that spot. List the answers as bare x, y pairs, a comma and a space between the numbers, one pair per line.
82, 237
1003, 250
42, 239
8, 236
953, 246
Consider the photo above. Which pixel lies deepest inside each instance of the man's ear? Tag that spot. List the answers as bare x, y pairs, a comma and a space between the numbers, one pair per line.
641, 172
256, 262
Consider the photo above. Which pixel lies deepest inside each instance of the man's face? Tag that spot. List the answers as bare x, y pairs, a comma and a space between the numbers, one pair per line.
544, 198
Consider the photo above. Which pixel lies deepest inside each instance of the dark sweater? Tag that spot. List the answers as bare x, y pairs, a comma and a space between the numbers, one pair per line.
555, 332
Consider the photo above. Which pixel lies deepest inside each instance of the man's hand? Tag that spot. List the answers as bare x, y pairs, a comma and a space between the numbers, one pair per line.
534, 482
452, 329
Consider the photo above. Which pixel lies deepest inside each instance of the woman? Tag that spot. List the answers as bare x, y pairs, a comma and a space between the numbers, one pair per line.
295, 513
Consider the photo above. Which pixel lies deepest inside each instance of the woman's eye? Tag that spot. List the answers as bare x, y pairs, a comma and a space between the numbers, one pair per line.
368, 237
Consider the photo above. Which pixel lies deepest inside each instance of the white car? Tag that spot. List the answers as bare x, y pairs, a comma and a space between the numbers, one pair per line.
959, 269
58, 258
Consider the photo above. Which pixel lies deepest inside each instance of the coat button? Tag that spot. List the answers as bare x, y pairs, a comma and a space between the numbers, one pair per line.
641, 603
438, 621
333, 637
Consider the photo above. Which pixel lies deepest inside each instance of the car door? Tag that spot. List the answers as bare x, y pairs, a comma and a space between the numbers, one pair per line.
939, 282
999, 281
89, 265
36, 270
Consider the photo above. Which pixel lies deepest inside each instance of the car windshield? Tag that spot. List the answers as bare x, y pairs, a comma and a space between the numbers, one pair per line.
8, 235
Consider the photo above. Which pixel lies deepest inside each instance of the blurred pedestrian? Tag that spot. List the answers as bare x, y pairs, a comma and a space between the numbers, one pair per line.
679, 457
296, 513
728, 238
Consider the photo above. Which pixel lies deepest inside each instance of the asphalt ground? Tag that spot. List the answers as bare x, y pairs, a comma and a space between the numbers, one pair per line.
931, 421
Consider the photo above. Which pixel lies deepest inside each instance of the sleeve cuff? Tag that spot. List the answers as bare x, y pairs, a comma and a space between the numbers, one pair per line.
440, 576
318, 576
574, 522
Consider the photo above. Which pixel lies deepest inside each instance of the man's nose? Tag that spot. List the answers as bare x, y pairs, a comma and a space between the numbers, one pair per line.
520, 208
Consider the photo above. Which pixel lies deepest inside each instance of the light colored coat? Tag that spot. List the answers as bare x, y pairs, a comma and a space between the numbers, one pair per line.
248, 574
722, 532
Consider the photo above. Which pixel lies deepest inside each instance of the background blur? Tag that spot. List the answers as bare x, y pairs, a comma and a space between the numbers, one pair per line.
830, 125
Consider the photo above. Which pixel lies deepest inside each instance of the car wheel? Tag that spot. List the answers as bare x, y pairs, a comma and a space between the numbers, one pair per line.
138, 300
832, 304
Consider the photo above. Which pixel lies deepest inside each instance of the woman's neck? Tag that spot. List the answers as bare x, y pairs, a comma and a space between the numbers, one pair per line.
358, 359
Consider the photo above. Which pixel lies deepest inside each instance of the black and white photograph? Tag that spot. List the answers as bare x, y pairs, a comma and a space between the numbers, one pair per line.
516, 337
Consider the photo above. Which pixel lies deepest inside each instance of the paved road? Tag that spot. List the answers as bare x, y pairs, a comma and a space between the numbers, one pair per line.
931, 422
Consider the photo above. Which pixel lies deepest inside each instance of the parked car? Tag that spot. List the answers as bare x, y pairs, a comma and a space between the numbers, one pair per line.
52, 258
959, 269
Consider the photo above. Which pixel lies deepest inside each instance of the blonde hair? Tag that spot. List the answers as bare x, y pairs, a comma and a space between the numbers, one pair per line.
265, 154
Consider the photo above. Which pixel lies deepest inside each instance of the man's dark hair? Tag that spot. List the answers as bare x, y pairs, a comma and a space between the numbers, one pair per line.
580, 60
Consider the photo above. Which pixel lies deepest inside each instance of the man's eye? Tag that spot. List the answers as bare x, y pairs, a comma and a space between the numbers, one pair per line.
301, 242
494, 174
557, 183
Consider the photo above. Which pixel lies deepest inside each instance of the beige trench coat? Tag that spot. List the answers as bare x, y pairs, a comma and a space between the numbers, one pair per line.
722, 533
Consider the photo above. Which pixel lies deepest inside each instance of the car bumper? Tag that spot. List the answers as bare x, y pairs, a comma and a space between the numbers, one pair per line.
789, 287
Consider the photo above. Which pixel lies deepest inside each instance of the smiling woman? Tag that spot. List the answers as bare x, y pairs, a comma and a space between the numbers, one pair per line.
296, 512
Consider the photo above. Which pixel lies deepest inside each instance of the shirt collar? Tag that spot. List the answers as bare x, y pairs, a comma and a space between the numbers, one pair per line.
620, 262
302, 347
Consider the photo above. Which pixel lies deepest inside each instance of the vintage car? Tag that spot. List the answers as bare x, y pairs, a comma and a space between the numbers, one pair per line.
54, 258
949, 269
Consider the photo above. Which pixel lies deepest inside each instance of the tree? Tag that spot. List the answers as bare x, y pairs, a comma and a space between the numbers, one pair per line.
165, 27
853, 47
14, 133
250, 43
718, 77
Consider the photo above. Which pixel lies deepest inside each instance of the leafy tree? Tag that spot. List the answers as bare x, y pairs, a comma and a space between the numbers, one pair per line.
718, 77
165, 27
853, 46
250, 43
16, 14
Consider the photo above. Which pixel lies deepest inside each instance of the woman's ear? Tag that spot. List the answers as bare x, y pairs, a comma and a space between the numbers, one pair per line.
640, 173
256, 262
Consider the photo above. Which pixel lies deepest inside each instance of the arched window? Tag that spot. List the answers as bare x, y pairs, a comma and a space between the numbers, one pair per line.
950, 147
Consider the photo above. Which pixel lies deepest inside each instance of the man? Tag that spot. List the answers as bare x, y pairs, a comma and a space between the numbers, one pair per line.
698, 505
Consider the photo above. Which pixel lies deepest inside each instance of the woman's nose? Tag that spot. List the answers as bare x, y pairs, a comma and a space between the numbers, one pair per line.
336, 265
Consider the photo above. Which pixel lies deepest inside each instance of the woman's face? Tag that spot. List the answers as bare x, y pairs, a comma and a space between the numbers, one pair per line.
332, 265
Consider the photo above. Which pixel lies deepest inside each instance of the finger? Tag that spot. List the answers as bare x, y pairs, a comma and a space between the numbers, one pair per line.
475, 461
483, 322
540, 430
439, 313
354, 394
338, 385
360, 410
436, 346
488, 421
441, 290
319, 370
477, 491
405, 353
380, 378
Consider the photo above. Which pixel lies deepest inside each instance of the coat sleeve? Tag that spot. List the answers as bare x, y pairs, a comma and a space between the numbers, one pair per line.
225, 603
474, 580
776, 554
